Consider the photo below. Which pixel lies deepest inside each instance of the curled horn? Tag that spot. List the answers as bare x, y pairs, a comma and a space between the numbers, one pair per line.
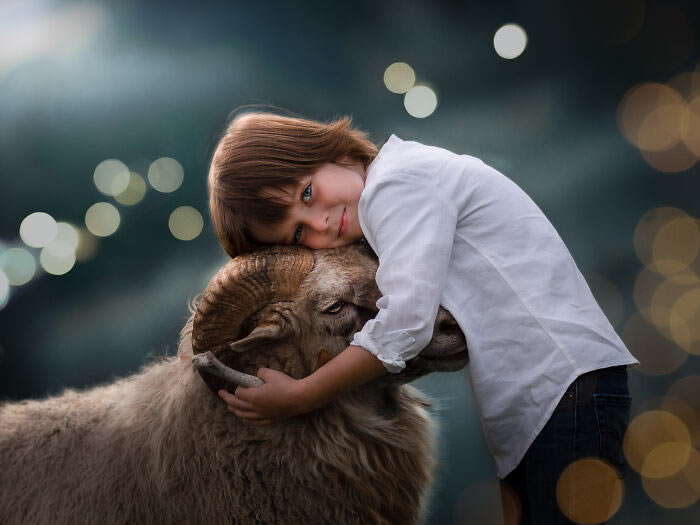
210, 364
239, 289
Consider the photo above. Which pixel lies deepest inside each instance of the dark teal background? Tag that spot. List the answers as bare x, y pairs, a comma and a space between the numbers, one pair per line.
161, 78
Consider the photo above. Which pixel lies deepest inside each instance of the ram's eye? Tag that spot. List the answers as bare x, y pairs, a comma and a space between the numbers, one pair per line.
335, 307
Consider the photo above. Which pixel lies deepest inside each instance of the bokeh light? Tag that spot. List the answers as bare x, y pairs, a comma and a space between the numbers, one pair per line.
647, 232
691, 130
663, 121
676, 244
650, 116
657, 355
165, 175
656, 295
678, 490
666, 459
4, 289
589, 491
420, 101
685, 410
111, 177
37, 229
18, 265
87, 247
399, 77
185, 223
674, 160
102, 219
650, 430
687, 84
57, 258
510, 41
134, 192
67, 233
683, 400
684, 320
691, 471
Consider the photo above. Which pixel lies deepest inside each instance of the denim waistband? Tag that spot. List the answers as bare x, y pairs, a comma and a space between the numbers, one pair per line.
610, 381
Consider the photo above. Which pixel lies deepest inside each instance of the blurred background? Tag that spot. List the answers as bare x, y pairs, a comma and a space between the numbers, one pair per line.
109, 112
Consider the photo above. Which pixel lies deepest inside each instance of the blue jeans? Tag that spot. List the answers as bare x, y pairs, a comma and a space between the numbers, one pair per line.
590, 420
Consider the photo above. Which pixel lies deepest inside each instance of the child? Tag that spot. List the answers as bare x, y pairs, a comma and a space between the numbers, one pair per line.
450, 230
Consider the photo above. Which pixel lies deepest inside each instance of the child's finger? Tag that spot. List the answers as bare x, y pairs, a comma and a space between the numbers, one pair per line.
248, 415
233, 401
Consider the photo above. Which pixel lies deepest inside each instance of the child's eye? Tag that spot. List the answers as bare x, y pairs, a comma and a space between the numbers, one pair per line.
306, 194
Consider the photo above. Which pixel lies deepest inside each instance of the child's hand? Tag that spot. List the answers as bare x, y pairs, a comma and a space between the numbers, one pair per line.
279, 398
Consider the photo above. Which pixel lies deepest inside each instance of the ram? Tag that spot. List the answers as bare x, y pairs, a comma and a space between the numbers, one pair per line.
161, 447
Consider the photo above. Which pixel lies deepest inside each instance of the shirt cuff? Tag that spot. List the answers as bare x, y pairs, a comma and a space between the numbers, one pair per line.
393, 364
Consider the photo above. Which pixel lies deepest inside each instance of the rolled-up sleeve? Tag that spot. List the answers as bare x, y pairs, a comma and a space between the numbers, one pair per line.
410, 224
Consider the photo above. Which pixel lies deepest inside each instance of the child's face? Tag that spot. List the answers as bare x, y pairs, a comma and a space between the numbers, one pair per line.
323, 211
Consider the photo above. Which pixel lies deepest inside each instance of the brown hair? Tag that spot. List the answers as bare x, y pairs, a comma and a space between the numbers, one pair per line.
263, 151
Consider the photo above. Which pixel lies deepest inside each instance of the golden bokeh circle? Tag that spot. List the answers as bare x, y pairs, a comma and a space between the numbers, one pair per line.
649, 116
691, 132
679, 490
134, 192
399, 77
88, 245
656, 354
57, 257
647, 228
683, 409
675, 245
102, 219
662, 127
687, 390
676, 159
185, 223
666, 459
687, 84
684, 321
589, 490
649, 430
165, 174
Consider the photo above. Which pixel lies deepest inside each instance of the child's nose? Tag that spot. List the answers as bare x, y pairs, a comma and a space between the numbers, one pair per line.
320, 223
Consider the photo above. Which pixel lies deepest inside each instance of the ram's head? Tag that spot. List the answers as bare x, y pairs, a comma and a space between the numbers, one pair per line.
293, 309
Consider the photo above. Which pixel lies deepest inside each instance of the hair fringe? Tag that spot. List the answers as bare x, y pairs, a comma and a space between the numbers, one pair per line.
262, 150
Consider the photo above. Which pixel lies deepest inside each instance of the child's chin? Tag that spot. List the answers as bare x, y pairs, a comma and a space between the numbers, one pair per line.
346, 240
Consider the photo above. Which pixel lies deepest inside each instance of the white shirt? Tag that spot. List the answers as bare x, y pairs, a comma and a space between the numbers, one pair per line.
450, 230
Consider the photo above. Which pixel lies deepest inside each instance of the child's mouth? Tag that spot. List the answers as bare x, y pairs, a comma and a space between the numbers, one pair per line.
343, 223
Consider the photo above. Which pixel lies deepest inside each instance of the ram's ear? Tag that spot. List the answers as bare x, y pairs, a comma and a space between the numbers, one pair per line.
266, 333
322, 357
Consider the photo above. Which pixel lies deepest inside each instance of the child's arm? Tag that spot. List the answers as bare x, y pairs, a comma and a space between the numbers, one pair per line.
282, 397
